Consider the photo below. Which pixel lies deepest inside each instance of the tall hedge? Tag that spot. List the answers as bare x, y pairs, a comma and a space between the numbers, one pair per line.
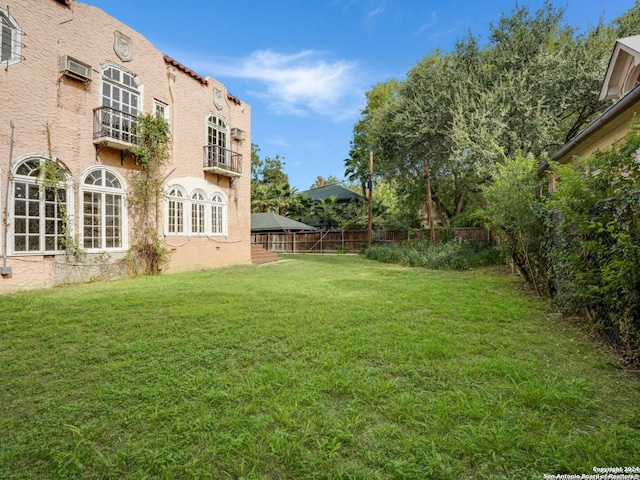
581, 244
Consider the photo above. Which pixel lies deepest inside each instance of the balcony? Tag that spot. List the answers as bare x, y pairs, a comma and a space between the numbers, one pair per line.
222, 161
114, 128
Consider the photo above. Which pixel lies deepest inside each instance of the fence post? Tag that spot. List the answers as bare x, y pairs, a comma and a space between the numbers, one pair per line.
294, 242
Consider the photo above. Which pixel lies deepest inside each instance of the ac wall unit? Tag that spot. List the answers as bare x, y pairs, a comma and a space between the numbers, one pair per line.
237, 134
74, 68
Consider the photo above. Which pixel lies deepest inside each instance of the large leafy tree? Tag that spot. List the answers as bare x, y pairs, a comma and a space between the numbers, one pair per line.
364, 134
532, 87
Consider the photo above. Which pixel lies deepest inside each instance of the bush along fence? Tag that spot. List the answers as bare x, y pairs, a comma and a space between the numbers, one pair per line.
355, 241
580, 245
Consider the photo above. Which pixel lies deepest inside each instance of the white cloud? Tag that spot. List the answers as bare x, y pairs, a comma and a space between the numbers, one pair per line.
430, 22
376, 11
300, 84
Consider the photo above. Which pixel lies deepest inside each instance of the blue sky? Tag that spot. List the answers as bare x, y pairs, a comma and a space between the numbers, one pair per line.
305, 65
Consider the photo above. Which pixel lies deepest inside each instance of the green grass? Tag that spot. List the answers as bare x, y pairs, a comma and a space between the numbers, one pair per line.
318, 367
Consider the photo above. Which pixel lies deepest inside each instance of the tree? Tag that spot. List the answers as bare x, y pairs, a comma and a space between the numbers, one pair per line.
362, 143
534, 85
327, 210
270, 188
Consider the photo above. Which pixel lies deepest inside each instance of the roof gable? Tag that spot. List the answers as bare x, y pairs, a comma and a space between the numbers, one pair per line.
623, 68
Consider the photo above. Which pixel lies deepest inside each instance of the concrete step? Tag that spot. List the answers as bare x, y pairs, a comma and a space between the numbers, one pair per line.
260, 255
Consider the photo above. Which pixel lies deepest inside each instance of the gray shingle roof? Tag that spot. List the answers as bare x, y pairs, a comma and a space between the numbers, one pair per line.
341, 193
271, 222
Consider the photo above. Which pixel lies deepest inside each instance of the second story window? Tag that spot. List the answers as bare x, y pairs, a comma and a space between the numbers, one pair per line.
11, 39
161, 110
120, 95
217, 140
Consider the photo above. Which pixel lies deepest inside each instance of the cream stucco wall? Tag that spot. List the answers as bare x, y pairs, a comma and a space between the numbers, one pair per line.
35, 94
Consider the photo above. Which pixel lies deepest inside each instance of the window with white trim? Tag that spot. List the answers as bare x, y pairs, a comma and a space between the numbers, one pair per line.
198, 213
218, 215
195, 214
175, 211
121, 95
217, 140
161, 109
40, 215
103, 210
10, 39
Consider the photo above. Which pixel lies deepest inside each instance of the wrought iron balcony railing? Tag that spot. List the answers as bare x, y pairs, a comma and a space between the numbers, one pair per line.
222, 161
114, 128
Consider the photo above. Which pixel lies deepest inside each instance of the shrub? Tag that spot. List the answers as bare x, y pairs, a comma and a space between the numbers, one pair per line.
581, 244
454, 255
518, 214
598, 242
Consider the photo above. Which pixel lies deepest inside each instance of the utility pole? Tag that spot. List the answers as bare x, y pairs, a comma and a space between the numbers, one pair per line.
370, 185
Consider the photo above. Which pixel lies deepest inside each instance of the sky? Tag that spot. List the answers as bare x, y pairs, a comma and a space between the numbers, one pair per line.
304, 66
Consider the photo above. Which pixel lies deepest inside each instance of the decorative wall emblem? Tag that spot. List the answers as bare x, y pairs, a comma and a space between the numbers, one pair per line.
218, 101
122, 46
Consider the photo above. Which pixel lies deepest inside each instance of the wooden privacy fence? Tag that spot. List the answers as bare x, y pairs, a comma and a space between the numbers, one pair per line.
354, 241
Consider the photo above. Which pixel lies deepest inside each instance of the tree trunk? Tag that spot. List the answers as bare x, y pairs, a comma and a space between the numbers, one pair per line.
427, 186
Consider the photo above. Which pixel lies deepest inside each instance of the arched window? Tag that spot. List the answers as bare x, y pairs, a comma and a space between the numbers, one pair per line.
218, 215
175, 211
198, 213
11, 39
40, 208
103, 210
217, 141
120, 96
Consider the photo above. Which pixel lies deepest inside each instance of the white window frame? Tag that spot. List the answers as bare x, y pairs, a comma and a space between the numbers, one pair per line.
36, 208
218, 208
10, 34
177, 215
104, 191
161, 109
217, 140
203, 214
198, 213
118, 94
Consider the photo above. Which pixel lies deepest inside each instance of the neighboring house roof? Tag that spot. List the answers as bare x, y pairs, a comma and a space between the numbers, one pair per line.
621, 81
616, 116
341, 193
622, 71
271, 222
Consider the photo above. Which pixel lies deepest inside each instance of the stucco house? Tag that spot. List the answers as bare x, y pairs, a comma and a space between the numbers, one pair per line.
621, 84
73, 81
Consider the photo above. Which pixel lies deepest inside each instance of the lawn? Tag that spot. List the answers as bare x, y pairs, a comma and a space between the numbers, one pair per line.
317, 367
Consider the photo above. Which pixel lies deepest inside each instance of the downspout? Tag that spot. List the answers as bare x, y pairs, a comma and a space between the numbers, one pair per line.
171, 79
7, 270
